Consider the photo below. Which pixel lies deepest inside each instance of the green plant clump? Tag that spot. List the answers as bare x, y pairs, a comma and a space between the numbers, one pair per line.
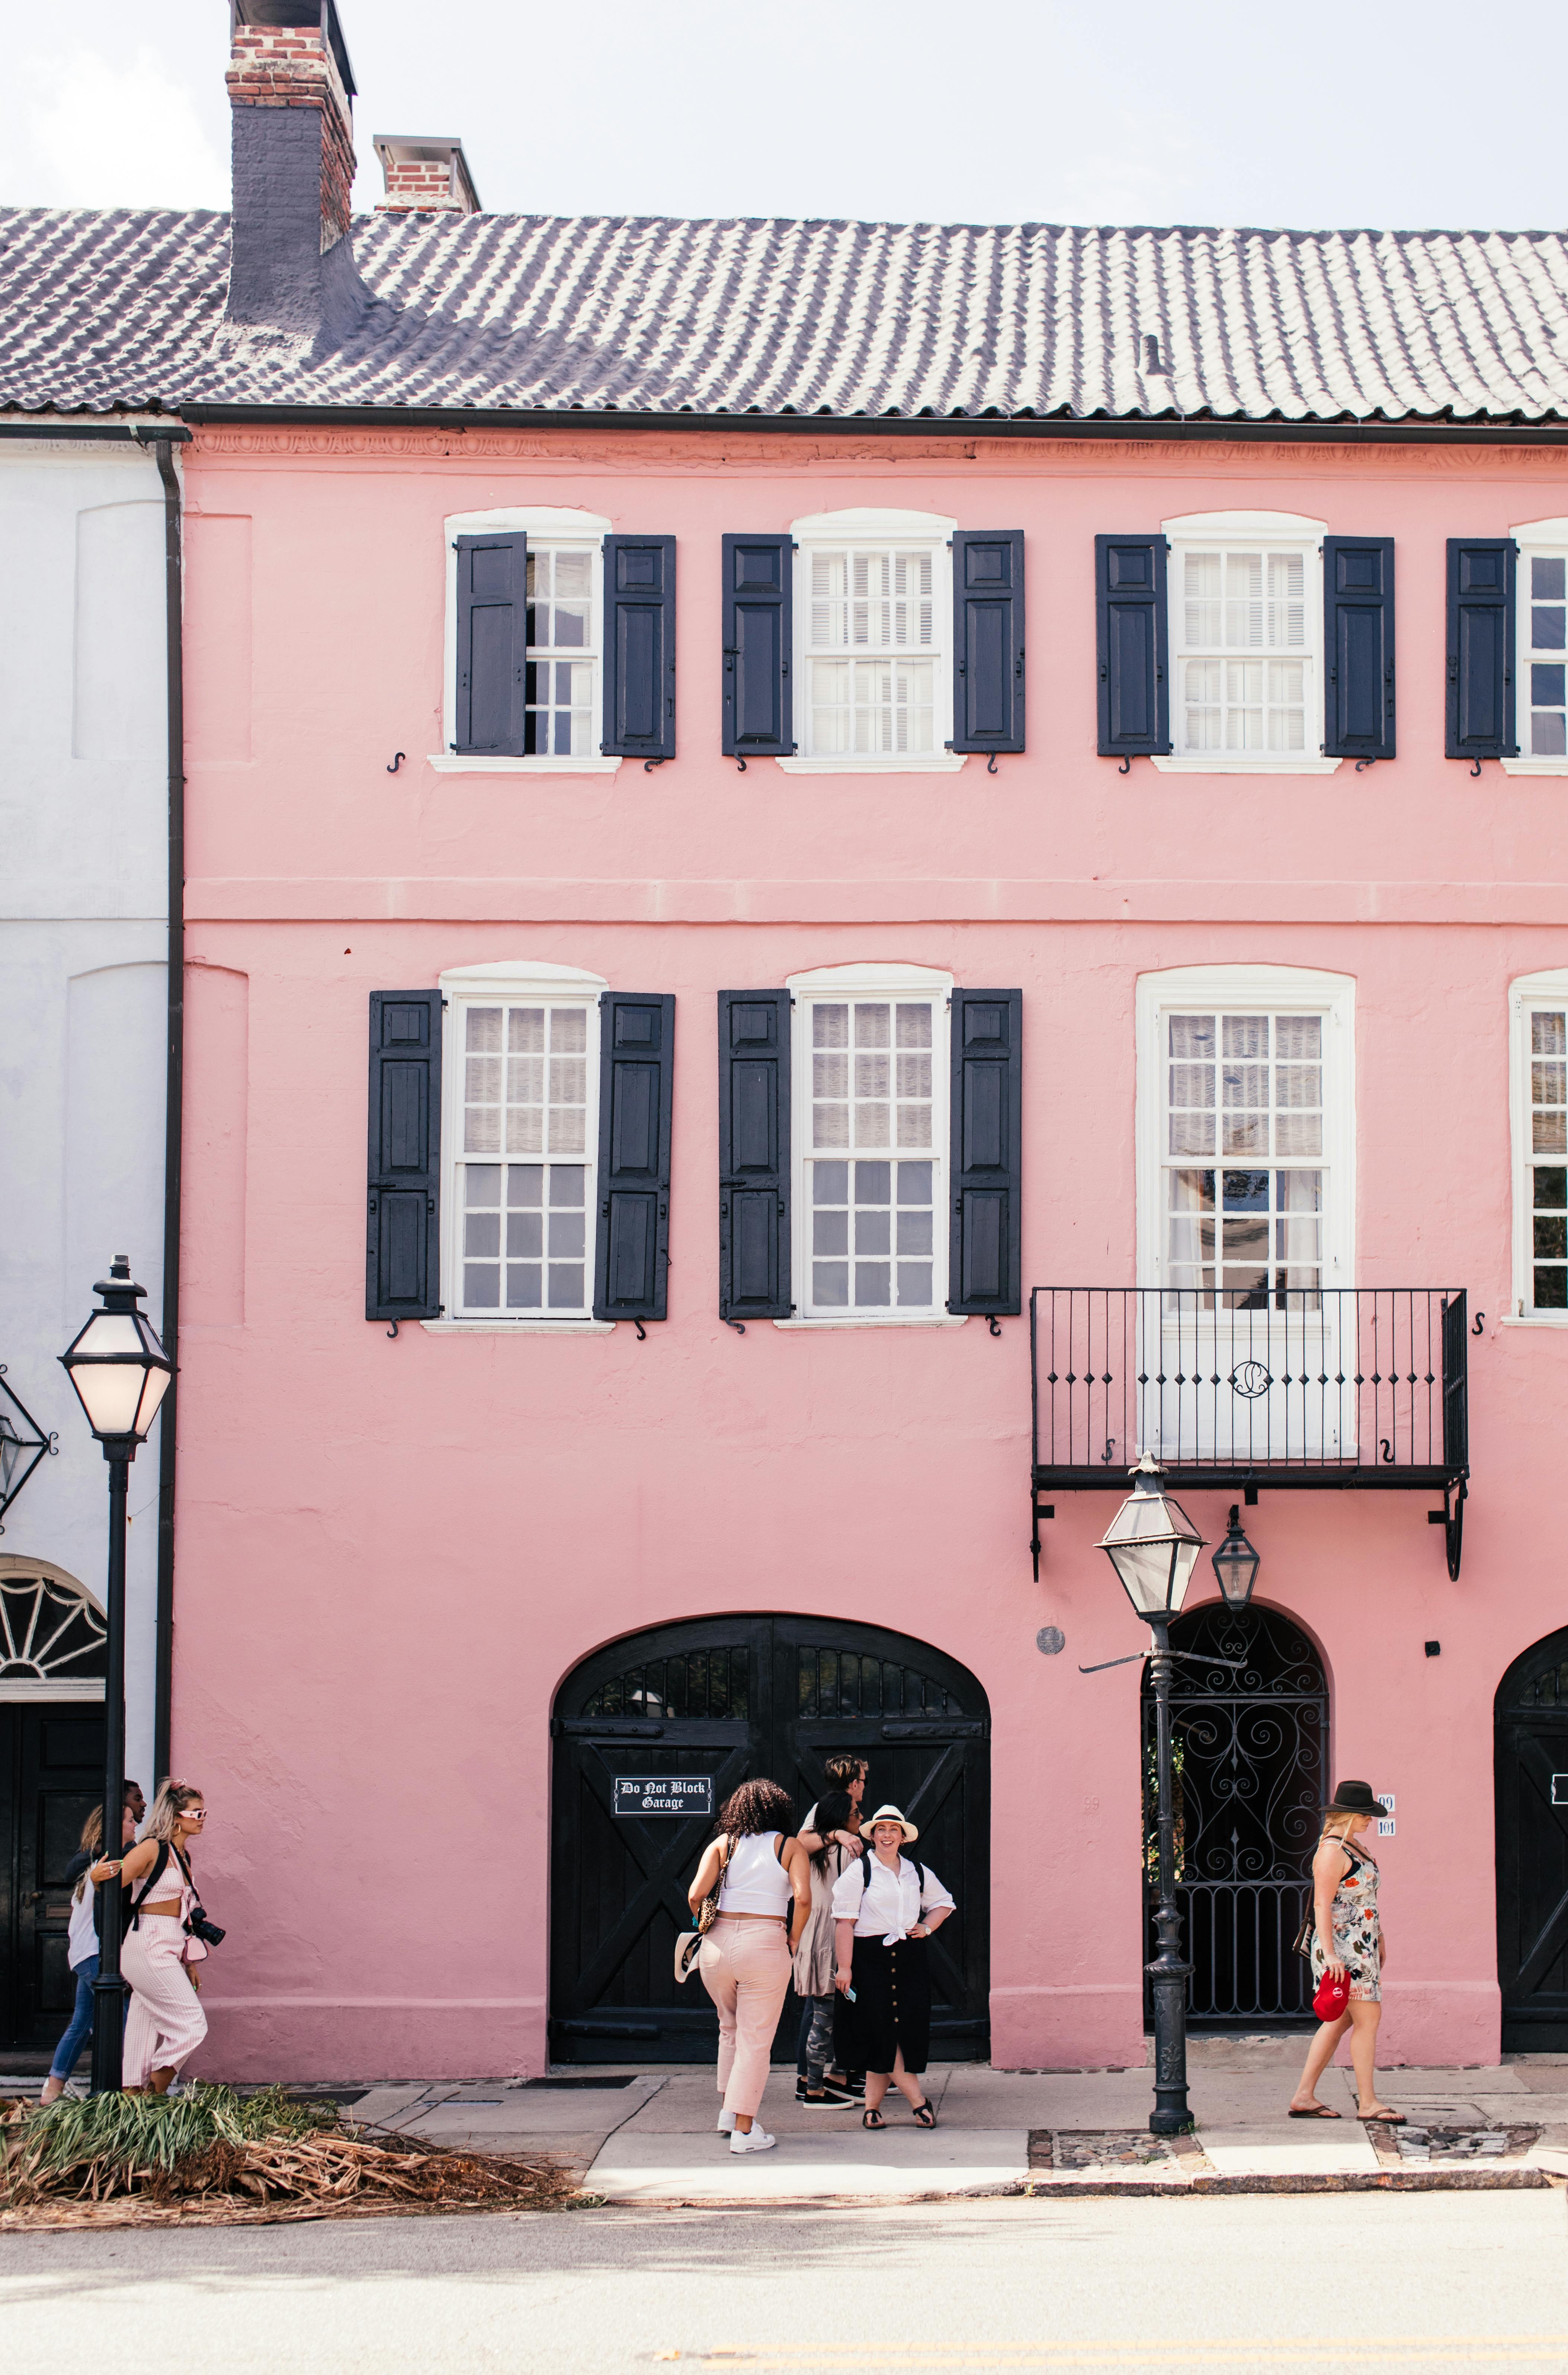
110, 2139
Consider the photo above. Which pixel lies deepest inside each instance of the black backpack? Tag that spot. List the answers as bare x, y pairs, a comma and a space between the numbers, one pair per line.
866, 1867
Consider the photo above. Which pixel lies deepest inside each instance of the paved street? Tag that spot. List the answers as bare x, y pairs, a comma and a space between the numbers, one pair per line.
1358, 2282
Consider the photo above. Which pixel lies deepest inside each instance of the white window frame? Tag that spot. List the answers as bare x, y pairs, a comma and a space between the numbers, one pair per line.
534, 982
1540, 539
832, 985
1249, 989
1277, 531
549, 530
1531, 993
876, 530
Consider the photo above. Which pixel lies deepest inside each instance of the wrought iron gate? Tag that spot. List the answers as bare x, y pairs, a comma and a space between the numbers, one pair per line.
1251, 1757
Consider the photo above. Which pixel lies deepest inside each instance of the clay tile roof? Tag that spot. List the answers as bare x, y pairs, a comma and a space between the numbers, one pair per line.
655, 319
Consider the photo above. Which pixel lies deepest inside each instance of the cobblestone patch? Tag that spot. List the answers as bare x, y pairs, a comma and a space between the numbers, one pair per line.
1115, 2148
1414, 2145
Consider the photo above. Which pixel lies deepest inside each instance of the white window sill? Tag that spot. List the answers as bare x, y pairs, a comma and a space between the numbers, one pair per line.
1534, 766
937, 762
1533, 1320
1218, 764
866, 1320
459, 763
518, 1327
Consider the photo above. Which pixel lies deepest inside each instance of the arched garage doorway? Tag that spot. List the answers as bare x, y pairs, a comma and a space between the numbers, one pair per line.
721, 1700
1531, 1751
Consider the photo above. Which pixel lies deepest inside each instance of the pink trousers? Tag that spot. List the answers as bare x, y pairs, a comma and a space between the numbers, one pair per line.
746, 1967
166, 2022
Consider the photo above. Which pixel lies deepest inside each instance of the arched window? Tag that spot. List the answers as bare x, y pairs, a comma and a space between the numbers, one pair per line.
51, 1634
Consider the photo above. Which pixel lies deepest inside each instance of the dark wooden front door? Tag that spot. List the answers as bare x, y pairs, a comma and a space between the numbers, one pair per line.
736, 1698
1531, 1737
51, 1778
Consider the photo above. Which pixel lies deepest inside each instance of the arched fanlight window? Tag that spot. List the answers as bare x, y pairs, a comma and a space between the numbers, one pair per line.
52, 1636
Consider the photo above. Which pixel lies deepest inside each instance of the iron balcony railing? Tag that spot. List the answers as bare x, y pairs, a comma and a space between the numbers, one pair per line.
1348, 1387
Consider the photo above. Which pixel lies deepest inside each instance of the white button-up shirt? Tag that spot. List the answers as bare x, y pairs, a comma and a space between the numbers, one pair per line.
892, 1902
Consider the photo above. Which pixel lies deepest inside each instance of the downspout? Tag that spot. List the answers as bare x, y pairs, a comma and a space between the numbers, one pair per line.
174, 1076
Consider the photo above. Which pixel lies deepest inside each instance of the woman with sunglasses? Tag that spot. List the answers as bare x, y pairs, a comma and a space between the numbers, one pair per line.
166, 2022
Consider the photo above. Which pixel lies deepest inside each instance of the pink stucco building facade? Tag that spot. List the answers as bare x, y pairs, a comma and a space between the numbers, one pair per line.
609, 711
394, 1552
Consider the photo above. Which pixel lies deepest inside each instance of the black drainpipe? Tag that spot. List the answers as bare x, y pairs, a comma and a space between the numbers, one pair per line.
163, 444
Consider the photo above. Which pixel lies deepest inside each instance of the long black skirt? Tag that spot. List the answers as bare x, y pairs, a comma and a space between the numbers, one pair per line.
892, 2005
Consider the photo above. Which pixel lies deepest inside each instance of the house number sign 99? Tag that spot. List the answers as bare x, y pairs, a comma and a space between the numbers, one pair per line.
665, 1793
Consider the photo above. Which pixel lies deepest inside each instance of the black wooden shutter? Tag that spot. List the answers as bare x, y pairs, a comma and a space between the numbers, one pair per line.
757, 621
1132, 639
403, 1223
1358, 645
492, 641
985, 1268
639, 646
754, 1173
987, 640
1480, 648
636, 1079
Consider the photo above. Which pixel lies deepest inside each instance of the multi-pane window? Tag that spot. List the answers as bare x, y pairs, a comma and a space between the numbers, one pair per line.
873, 1188
564, 668
872, 648
1546, 655
1245, 651
1245, 1183
524, 1176
1547, 1171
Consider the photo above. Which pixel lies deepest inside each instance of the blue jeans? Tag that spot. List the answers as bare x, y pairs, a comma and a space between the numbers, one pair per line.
76, 2036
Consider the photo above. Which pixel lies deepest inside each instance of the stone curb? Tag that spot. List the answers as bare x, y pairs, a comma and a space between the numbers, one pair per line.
1047, 2184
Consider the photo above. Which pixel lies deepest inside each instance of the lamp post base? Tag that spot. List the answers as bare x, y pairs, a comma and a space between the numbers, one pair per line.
110, 1997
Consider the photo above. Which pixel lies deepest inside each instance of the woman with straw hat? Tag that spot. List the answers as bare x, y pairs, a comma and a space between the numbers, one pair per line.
1348, 1945
886, 1905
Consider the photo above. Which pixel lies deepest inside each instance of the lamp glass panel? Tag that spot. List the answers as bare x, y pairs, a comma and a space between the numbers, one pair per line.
155, 1387
107, 1332
1237, 1571
1146, 1573
111, 1394
10, 1452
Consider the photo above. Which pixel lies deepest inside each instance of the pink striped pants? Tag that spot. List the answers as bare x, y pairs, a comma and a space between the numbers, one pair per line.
166, 2022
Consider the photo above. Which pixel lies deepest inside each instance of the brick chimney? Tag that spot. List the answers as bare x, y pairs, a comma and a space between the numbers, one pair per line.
425, 175
291, 101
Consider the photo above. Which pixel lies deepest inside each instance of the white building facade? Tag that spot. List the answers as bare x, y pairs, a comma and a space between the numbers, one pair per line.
84, 1027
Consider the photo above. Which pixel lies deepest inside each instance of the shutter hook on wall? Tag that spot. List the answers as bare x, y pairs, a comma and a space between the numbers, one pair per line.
1475, 769
740, 766
991, 765
393, 1329
1477, 1330
641, 1331
649, 764
993, 1323
1363, 764
397, 763
738, 1326
1126, 767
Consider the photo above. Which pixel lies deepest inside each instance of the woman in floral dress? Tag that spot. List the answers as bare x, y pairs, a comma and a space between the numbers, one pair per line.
1346, 1943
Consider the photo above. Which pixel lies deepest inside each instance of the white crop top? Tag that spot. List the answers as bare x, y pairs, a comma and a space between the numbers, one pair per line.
755, 1881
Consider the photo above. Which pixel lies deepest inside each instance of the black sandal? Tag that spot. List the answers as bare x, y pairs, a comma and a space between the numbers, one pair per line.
872, 2119
924, 2117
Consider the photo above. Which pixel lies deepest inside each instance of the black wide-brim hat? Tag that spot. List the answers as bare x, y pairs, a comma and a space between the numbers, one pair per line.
1353, 1798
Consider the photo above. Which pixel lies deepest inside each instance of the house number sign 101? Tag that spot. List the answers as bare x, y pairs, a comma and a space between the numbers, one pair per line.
665, 1793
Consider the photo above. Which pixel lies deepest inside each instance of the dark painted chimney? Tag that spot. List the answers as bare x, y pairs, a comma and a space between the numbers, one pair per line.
291, 98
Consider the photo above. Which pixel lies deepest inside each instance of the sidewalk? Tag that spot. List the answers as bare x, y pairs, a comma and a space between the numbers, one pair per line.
649, 2136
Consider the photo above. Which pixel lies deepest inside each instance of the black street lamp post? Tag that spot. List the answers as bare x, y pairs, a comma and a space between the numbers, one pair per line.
119, 1372
1153, 1545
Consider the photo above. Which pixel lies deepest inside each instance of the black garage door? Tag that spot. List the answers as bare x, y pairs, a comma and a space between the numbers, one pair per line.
1532, 1848
732, 1698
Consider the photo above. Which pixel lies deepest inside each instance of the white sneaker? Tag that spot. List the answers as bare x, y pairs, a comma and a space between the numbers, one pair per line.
756, 2139
727, 2123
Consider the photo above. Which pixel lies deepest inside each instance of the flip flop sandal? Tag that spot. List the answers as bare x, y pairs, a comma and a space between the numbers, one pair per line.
872, 2119
1382, 2118
1319, 2111
924, 2117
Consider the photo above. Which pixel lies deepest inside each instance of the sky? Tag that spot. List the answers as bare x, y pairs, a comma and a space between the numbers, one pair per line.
1230, 111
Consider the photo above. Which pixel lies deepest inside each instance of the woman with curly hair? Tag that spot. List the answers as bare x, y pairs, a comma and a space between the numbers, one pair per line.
763, 1876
